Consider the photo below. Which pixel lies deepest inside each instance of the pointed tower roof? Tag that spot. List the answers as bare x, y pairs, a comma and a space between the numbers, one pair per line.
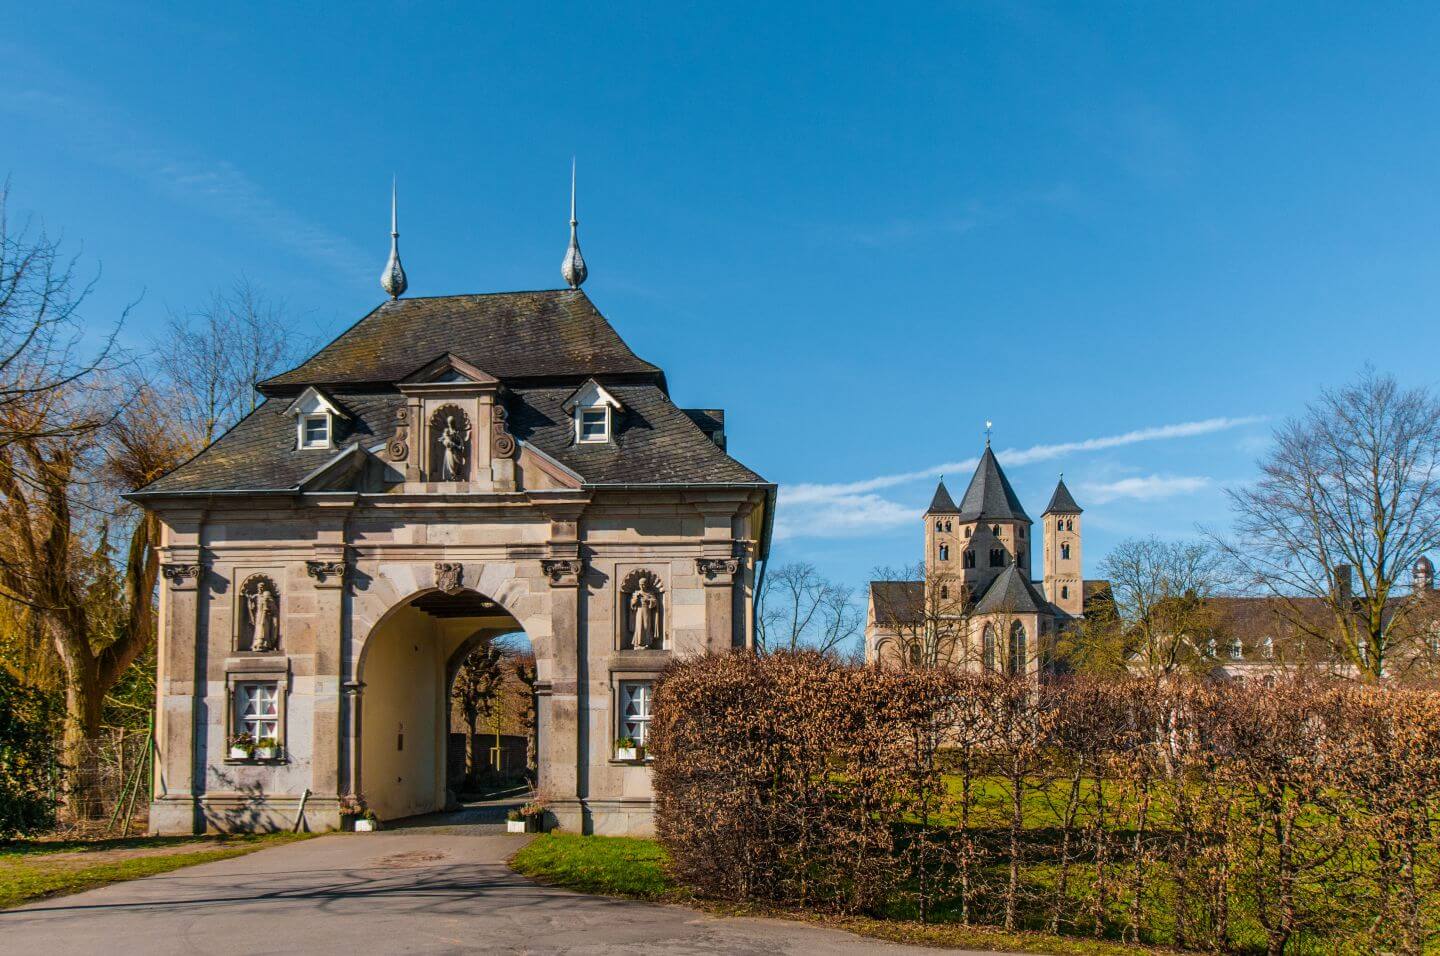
393, 280
572, 268
990, 495
942, 503
1061, 502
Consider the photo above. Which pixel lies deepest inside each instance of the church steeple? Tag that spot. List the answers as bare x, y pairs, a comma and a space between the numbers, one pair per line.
572, 269
393, 280
1064, 583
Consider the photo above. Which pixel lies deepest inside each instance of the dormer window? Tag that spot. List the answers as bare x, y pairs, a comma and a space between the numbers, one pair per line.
317, 418
594, 410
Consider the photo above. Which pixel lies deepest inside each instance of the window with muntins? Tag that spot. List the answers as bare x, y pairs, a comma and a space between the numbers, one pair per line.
635, 709
317, 431
594, 424
257, 709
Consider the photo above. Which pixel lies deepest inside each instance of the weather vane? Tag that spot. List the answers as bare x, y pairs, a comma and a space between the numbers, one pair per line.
988, 425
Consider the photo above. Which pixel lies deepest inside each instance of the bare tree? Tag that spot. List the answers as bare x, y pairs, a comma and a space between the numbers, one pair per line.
216, 353
43, 341
924, 614
56, 516
1163, 620
477, 689
800, 609
1350, 491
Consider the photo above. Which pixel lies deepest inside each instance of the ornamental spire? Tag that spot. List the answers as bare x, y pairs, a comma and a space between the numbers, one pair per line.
393, 280
572, 269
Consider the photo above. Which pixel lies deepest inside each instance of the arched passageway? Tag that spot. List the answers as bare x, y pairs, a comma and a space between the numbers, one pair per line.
407, 667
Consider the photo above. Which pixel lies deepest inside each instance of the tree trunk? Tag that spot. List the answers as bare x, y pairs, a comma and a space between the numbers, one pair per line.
80, 746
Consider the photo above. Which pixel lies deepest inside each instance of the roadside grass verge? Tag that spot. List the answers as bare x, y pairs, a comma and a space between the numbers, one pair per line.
33, 870
636, 869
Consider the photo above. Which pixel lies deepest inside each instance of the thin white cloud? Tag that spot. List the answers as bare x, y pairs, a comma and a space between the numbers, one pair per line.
102, 132
1142, 488
807, 492
854, 509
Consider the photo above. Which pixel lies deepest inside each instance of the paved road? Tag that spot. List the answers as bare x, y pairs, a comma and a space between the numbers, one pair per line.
437, 889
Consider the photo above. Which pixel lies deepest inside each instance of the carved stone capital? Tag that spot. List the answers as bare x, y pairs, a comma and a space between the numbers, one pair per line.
450, 576
562, 572
182, 576
327, 573
717, 571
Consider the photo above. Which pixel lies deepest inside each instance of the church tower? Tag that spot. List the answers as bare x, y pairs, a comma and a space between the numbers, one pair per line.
942, 556
1064, 586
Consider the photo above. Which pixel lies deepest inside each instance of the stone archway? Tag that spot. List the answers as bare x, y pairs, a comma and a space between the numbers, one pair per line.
402, 664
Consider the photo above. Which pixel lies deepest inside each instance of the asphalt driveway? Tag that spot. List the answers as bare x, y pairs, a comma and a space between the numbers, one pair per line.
423, 890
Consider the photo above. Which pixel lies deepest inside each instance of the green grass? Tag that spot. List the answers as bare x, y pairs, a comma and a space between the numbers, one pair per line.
635, 868
32, 870
606, 866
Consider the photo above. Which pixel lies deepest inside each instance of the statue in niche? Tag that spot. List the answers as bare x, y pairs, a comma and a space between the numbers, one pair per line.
262, 613
451, 443
644, 610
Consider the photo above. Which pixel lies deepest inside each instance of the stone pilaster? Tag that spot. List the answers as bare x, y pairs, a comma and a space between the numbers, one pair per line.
180, 681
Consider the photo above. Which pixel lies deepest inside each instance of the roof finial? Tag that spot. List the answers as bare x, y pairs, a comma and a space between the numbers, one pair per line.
988, 425
393, 280
572, 269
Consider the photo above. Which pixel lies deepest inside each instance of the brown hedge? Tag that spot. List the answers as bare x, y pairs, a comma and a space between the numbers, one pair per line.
1213, 816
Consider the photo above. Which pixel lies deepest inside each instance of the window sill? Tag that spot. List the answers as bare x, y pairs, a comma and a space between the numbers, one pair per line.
638, 762
254, 761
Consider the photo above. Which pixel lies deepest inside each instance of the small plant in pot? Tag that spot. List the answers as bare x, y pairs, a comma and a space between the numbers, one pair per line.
532, 816
627, 749
355, 815
242, 746
515, 821
267, 748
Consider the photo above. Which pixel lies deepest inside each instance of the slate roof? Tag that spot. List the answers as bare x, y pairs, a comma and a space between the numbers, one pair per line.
541, 345
897, 601
516, 336
1012, 593
942, 503
990, 495
1061, 502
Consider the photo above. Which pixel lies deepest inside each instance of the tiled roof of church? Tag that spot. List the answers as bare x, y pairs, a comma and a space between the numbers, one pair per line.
990, 495
540, 355
1061, 502
515, 336
942, 503
1012, 593
897, 602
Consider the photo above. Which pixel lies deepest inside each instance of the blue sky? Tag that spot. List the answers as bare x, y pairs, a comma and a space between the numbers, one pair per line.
1136, 236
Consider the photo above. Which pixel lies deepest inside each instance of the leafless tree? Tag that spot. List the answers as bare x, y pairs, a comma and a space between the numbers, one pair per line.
1352, 485
801, 610
216, 353
1163, 619
925, 614
44, 344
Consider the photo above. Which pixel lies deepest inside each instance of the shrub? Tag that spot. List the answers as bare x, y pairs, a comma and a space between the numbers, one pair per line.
1201, 815
27, 759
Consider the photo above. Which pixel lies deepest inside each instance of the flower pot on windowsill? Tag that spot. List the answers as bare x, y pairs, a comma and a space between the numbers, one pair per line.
627, 753
239, 753
266, 753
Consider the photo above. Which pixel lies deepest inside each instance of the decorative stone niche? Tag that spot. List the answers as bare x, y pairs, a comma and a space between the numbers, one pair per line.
642, 611
450, 444
257, 613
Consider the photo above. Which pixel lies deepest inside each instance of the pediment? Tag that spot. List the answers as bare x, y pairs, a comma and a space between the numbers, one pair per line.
591, 395
449, 370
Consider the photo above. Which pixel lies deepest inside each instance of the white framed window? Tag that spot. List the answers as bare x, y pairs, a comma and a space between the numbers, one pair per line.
257, 709
635, 698
1237, 650
594, 424
315, 431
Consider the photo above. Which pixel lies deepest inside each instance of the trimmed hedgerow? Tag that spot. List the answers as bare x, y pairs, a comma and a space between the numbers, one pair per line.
1278, 818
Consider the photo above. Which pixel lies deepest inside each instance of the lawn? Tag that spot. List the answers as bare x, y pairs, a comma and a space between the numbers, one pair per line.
32, 870
635, 868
